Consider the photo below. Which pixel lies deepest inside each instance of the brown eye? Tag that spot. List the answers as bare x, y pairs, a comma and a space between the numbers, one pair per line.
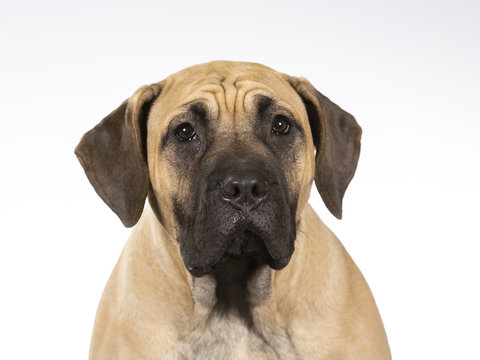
185, 132
280, 125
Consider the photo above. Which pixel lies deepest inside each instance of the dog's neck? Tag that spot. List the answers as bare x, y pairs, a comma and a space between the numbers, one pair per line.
234, 287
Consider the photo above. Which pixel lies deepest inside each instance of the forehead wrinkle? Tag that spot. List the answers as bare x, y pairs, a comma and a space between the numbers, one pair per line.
212, 103
231, 94
261, 89
217, 94
226, 95
234, 84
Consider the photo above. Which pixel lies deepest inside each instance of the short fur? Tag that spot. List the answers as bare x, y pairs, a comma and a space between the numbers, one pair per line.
208, 276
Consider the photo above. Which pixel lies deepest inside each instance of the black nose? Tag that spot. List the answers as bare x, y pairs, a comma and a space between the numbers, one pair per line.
244, 189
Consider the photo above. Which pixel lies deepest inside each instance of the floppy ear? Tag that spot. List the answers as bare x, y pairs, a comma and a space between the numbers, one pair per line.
114, 158
336, 136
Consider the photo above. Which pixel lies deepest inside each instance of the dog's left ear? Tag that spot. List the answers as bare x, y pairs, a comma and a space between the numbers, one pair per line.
114, 158
336, 136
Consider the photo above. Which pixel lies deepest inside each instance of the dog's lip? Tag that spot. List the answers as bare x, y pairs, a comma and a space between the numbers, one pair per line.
253, 248
246, 243
199, 271
274, 263
279, 263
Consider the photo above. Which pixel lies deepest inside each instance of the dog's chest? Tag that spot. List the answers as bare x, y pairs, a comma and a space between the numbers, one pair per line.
231, 337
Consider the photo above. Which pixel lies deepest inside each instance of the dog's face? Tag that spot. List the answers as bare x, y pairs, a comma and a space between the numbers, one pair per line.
226, 153
230, 154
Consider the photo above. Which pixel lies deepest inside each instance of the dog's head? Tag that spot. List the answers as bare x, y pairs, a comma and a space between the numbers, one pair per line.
226, 153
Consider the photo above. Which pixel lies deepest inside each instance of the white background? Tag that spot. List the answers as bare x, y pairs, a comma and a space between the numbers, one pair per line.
408, 70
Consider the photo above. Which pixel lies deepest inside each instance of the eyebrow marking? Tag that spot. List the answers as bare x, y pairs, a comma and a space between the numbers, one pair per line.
198, 108
264, 103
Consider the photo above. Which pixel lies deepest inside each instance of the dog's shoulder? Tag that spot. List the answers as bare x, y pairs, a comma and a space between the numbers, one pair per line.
333, 302
131, 318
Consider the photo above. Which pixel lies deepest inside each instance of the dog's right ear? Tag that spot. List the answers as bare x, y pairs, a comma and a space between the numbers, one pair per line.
114, 158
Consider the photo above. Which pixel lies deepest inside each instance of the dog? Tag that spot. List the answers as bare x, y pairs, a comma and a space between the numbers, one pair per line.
228, 260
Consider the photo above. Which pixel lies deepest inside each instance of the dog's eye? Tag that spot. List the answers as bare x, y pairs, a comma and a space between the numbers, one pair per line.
185, 132
280, 125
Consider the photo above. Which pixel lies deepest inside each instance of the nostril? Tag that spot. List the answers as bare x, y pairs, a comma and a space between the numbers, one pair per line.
259, 189
231, 190
235, 191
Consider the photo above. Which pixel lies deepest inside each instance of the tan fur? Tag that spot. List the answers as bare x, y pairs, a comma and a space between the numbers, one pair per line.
317, 307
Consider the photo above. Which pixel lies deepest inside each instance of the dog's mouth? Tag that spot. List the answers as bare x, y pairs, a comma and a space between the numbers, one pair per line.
245, 246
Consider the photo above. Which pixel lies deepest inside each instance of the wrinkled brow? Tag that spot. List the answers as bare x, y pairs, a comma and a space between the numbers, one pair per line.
198, 109
264, 104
